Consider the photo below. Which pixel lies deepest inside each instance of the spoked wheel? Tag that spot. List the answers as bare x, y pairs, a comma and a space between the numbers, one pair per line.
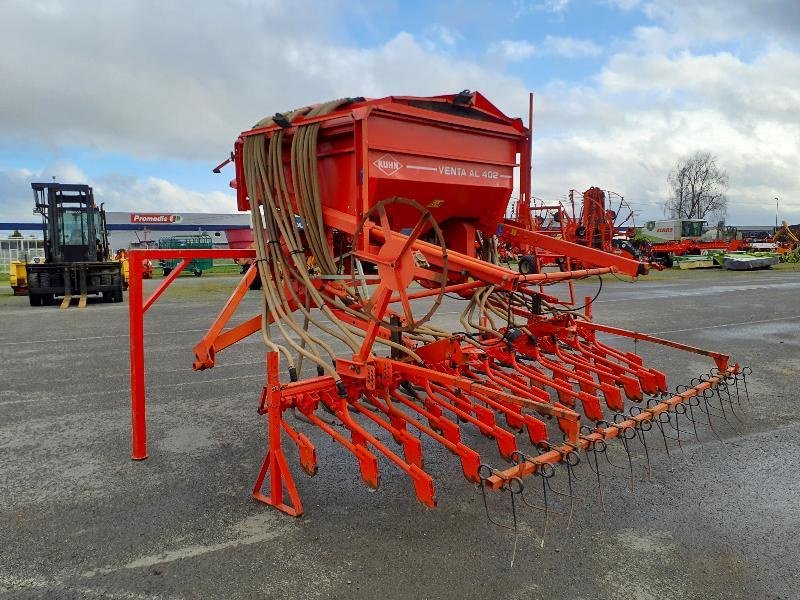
397, 263
623, 216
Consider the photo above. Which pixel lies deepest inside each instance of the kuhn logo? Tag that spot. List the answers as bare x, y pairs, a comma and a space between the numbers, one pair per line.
388, 164
151, 218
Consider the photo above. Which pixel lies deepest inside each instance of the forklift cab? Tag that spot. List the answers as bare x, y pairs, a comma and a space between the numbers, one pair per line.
74, 227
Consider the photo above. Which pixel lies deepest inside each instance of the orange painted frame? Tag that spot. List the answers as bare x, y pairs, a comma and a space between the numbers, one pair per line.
137, 306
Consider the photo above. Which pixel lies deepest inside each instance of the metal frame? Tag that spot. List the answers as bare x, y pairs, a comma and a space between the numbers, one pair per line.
548, 361
137, 307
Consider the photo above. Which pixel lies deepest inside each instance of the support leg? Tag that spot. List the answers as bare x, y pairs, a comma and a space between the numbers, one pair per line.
136, 337
275, 462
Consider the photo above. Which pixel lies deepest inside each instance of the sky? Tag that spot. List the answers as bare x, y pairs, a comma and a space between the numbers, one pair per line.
142, 98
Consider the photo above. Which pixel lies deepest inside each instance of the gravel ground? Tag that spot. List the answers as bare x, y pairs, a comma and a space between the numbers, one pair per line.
78, 519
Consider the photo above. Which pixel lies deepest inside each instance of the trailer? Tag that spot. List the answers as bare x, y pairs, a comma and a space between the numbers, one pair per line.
200, 241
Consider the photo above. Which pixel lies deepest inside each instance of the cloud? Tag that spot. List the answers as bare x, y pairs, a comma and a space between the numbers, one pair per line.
513, 50
181, 79
716, 20
570, 47
555, 6
16, 197
567, 47
118, 192
663, 94
442, 35
642, 113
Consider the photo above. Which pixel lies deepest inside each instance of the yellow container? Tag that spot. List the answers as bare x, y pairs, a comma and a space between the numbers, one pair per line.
19, 277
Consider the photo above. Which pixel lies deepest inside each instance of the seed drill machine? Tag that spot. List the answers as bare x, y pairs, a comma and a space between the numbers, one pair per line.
366, 215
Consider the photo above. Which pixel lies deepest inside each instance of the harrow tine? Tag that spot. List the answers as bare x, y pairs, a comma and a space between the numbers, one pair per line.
514, 486
723, 387
712, 407
676, 426
545, 471
628, 434
660, 424
725, 398
605, 425
694, 401
734, 379
596, 446
571, 460
706, 398
642, 427
746, 372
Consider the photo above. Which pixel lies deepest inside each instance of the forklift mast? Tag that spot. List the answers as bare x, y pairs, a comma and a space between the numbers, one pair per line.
74, 226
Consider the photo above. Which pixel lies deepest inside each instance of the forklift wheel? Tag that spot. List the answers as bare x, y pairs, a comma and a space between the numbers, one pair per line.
117, 295
108, 296
34, 299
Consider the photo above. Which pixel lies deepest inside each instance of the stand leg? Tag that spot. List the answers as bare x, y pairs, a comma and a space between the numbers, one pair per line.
275, 462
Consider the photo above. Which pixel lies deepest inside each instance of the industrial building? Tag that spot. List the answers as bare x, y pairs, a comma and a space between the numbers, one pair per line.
126, 230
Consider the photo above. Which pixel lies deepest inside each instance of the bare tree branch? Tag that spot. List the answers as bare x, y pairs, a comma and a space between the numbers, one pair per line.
698, 188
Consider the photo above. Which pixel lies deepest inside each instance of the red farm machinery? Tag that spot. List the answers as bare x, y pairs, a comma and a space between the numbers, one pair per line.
367, 215
588, 220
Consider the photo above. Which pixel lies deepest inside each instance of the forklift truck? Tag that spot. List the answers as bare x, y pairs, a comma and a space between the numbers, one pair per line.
77, 254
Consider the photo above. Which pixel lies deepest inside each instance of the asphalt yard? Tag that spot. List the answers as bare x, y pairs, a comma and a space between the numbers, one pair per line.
719, 517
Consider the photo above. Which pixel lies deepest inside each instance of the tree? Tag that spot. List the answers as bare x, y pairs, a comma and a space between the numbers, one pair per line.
698, 188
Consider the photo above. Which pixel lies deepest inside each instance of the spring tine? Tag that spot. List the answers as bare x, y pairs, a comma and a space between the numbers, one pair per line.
727, 389
568, 494
735, 379
627, 435
708, 416
724, 395
746, 372
690, 414
660, 425
569, 483
516, 531
545, 477
731, 382
596, 469
640, 433
677, 428
721, 404
605, 425
484, 472
693, 401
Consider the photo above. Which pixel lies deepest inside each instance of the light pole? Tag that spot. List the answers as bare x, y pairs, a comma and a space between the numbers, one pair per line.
776, 213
